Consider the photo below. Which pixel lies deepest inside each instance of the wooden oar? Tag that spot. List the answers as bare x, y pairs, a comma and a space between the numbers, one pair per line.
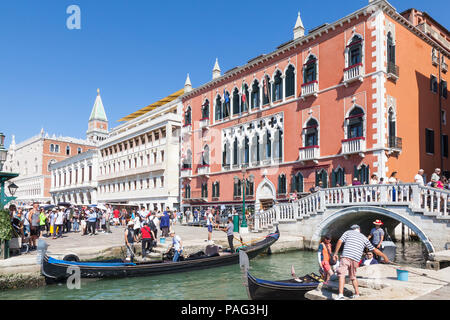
240, 240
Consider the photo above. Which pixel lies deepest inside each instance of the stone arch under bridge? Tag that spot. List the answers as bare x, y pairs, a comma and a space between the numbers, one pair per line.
339, 221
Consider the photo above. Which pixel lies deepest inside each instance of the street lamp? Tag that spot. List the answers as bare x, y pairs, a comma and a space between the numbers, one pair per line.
12, 188
244, 227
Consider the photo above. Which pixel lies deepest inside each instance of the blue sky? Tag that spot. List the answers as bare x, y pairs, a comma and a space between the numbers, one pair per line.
137, 52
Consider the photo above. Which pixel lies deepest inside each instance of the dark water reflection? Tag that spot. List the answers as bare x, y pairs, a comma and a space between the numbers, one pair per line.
222, 283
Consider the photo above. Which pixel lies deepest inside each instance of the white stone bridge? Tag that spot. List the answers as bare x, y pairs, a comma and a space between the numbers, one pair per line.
424, 210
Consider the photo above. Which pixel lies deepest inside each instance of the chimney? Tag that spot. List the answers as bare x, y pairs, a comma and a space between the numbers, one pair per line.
299, 30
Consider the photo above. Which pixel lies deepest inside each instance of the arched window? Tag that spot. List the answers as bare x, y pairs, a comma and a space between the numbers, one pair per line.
236, 98
187, 191
322, 176
216, 189
280, 144
391, 128
255, 94
290, 81
49, 163
205, 156
205, 109
266, 90
355, 51
362, 173
219, 111
355, 128
187, 162
277, 87
297, 182
52, 147
246, 151
237, 189
390, 49
310, 70
224, 155
235, 151
311, 133
338, 178
79, 150
244, 98
205, 190
282, 184
67, 150
227, 104
187, 116
268, 145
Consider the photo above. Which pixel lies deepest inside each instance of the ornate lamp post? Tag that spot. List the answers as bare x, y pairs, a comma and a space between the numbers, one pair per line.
5, 176
244, 228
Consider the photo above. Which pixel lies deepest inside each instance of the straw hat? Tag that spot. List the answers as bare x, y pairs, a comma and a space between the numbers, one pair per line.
378, 222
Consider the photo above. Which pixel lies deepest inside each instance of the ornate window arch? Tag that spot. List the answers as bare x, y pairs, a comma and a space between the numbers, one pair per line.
218, 107
310, 69
187, 161
282, 188
311, 133
297, 182
277, 86
205, 109
236, 101
354, 51
188, 116
205, 156
255, 96
267, 89
338, 177
290, 81
355, 123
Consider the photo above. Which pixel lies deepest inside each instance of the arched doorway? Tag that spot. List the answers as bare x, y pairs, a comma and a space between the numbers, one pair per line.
265, 195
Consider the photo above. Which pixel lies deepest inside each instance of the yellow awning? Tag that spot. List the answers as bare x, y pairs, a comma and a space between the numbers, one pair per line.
152, 106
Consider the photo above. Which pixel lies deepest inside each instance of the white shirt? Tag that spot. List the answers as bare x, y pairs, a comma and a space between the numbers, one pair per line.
143, 214
59, 218
137, 223
418, 179
176, 243
210, 218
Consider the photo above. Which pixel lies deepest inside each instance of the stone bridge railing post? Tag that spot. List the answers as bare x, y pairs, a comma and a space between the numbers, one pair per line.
415, 197
384, 193
256, 224
321, 206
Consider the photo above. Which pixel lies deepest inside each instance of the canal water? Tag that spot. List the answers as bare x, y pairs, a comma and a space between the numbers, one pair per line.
223, 283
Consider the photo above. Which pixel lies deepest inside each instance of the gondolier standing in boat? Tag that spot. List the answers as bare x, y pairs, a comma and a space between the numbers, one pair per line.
230, 235
354, 244
130, 238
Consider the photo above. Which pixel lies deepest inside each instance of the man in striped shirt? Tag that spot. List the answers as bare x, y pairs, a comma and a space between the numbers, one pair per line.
354, 244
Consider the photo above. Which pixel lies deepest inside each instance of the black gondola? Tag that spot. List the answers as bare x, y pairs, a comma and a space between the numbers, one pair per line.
57, 270
292, 289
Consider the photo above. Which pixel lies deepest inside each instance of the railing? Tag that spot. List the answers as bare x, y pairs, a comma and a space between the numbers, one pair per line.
187, 129
186, 172
426, 200
395, 143
309, 153
444, 67
354, 72
203, 169
393, 69
353, 145
310, 88
204, 123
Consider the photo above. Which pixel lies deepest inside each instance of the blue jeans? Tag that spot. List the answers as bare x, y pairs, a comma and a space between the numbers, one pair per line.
75, 225
176, 256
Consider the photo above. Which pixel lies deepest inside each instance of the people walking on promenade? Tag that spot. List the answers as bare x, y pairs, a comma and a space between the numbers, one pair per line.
325, 257
147, 239
42, 222
91, 221
116, 214
59, 222
195, 215
76, 220
33, 218
210, 225
354, 243
165, 223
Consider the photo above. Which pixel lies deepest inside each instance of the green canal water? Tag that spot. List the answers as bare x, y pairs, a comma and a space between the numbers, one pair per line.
222, 283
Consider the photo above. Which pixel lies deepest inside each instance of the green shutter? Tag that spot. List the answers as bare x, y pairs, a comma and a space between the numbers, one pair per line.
333, 178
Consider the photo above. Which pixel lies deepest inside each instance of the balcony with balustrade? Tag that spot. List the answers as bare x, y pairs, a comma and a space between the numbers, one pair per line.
186, 172
204, 123
310, 89
354, 145
392, 71
309, 153
395, 144
203, 169
353, 73
186, 129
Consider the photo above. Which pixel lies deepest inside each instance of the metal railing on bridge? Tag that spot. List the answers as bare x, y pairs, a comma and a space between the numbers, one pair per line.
429, 201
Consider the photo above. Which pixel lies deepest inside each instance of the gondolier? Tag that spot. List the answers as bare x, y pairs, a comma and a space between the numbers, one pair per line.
130, 238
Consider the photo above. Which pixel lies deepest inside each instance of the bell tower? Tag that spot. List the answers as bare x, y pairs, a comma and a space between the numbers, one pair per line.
98, 123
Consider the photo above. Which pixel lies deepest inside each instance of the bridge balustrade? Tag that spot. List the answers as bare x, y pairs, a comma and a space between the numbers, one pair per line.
427, 200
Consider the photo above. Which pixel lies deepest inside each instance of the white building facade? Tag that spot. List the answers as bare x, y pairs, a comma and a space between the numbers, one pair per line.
74, 180
139, 161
